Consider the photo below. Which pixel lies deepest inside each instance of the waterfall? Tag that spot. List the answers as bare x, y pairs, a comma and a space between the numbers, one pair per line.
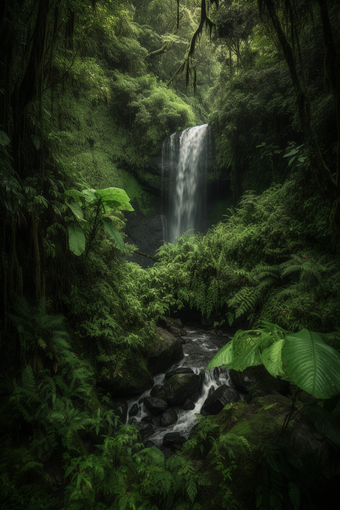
185, 158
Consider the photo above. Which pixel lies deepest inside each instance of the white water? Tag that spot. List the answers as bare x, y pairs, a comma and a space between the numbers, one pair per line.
184, 165
199, 349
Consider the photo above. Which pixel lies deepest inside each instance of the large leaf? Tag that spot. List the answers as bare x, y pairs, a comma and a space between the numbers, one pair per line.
243, 351
311, 364
74, 193
89, 195
4, 140
115, 195
77, 211
223, 357
271, 358
113, 233
76, 239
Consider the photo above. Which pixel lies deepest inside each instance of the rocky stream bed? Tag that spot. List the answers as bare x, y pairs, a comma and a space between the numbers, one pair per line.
166, 413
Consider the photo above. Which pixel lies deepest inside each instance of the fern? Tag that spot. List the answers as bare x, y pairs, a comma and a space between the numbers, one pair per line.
283, 480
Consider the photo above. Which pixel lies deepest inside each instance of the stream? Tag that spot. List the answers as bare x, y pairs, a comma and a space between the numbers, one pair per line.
199, 348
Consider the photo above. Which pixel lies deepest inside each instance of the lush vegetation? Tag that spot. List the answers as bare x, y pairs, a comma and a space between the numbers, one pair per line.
88, 92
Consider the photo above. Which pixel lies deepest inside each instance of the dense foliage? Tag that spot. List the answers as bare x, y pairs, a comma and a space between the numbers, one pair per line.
88, 91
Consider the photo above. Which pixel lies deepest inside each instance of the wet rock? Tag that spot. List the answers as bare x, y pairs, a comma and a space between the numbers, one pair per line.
146, 431
179, 370
258, 382
156, 390
211, 390
178, 332
175, 322
220, 371
153, 420
180, 387
166, 353
188, 405
149, 444
147, 419
134, 410
156, 421
155, 405
219, 399
169, 417
174, 440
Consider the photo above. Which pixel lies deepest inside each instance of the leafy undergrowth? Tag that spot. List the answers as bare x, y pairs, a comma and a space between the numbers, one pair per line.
271, 259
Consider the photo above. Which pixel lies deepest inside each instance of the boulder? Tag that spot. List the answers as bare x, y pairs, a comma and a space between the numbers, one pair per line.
146, 431
219, 399
174, 440
149, 444
156, 390
258, 381
155, 405
166, 352
169, 417
134, 410
178, 332
135, 376
176, 322
153, 420
179, 370
188, 405
180, 387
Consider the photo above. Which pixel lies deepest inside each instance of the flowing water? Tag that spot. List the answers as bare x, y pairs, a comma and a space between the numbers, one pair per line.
185, 159
199, 349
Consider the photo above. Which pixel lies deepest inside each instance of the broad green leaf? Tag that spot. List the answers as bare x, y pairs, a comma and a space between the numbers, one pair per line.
76, 209
243, 351
324, 422
112, 204
89, 195
247, 358
271, 358
275, 330
76, 239
223, 357
113, 233
115, 195
4, 140
311, 364
74, 193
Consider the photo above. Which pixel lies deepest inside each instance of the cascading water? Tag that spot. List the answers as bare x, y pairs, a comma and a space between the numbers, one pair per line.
199, 349
185, 159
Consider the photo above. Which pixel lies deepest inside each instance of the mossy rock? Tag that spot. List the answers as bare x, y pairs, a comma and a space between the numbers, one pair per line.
246, 428
166, 350
180, 387
132, 379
